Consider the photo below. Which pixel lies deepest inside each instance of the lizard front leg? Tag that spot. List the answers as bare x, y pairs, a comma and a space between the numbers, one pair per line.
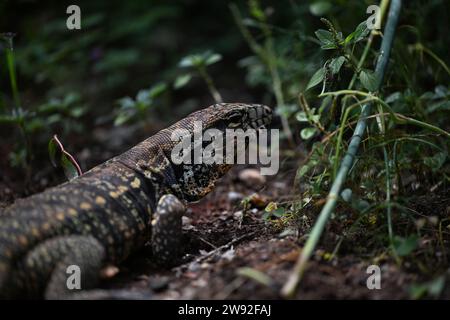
166, 230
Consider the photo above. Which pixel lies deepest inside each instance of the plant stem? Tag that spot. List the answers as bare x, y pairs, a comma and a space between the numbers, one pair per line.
268, 57
17, 108
12, 73
290, 286
209, 82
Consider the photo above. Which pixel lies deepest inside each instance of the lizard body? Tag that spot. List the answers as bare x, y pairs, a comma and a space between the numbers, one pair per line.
111, 211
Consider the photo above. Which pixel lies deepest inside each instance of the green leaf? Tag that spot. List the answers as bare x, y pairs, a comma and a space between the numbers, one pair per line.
52, 147
359, 34
255, 10
123, 117
69, 168
182, 80
336, 64
157, 90
368, 80
432, 288
436, 286
404, 246
326, 39
255, 275
59, 156
203, 59
9, 119
126, 103
143, 96
316, 78
213, 59
301, 116
319, 8
435, 162
308, 133
279, 212
189, 61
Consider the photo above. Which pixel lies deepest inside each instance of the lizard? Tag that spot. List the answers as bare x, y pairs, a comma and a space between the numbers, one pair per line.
111, 211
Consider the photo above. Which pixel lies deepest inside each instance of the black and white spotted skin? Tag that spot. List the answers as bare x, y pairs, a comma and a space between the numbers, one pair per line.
110, 211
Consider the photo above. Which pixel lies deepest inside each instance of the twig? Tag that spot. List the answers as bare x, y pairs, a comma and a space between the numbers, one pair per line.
213, 252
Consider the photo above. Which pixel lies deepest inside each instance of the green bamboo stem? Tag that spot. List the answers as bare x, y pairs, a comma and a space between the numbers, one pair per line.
290, 286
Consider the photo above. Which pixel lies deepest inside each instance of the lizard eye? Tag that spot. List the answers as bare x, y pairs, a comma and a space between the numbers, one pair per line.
235, 120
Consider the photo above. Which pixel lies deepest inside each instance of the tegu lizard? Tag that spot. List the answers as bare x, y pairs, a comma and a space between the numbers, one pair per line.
111, 211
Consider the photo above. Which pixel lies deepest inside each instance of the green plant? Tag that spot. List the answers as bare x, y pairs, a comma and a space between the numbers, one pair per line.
368, 94
267, 55
138, 108
199, 62
16, 115
61, 158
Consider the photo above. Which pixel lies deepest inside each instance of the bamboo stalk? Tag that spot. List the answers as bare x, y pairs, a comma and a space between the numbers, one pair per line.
290, 286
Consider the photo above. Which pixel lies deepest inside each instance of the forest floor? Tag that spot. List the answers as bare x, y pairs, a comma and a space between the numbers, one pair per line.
220, 239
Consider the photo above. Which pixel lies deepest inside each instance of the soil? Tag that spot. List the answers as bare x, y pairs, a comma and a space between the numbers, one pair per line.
219, 242
220, 239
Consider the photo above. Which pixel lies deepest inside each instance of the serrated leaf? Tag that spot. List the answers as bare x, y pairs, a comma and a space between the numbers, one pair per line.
336, 64
368, 80
316, 78
359, 34
182, 80
326, 39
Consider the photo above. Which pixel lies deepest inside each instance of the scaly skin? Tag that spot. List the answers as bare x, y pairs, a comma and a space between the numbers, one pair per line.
110, 211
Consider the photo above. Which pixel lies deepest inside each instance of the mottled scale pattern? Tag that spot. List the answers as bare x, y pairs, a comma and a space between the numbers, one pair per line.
109, 212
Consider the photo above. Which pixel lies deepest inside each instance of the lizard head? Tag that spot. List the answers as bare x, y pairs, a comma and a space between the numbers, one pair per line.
234, 116
197, 179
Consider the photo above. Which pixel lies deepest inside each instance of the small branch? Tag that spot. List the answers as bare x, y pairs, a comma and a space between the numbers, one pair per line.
213, 252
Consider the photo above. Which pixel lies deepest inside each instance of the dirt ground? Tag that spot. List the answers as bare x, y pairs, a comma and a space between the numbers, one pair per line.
220, 239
